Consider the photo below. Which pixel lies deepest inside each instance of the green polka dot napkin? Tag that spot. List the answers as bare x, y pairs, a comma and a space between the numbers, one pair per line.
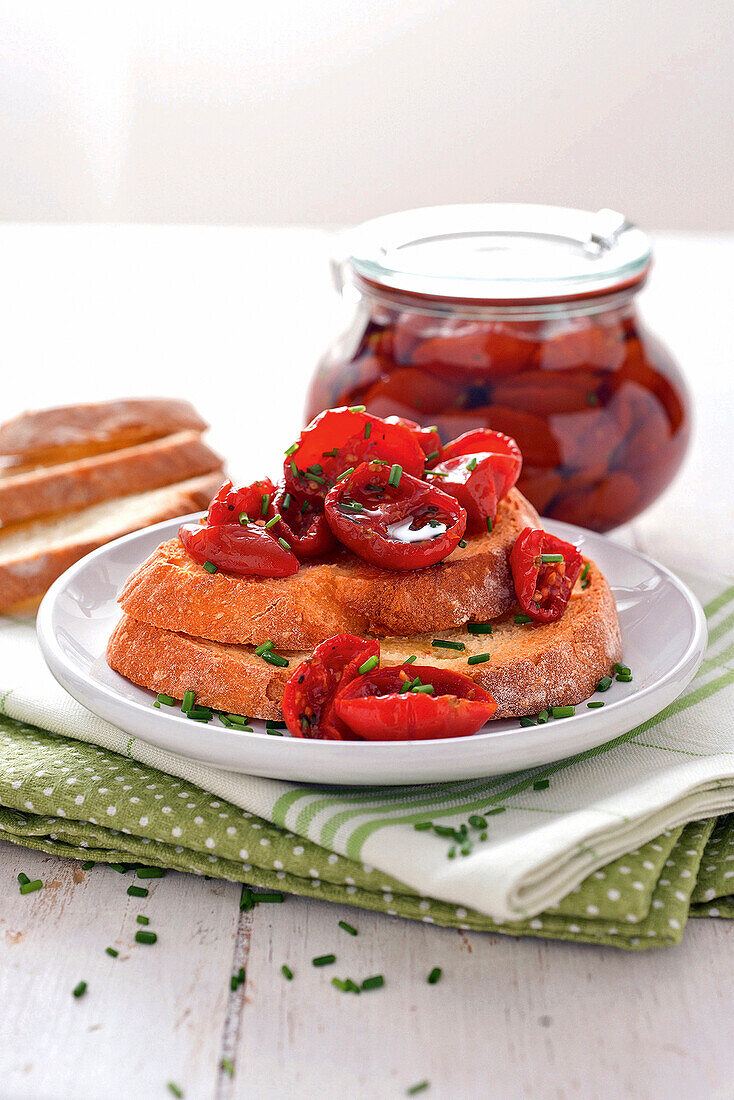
618, 845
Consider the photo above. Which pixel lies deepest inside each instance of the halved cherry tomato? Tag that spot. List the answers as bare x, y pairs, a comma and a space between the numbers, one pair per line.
428, 438
249, 551
408, 525
230, 502
310, 690
303, 524
472, 480
543, 588
508, 460
339, 439
375, 709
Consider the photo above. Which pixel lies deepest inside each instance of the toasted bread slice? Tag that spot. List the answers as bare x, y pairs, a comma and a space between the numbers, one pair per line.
86, 481
531, 667
344, 595
70, 432
33, 554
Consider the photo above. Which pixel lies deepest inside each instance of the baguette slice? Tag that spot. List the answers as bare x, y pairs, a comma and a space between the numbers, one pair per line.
33, 555
532, 667
344, 595
86, 481
68, 432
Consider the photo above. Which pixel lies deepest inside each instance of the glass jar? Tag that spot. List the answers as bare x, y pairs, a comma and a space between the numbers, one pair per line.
523, 319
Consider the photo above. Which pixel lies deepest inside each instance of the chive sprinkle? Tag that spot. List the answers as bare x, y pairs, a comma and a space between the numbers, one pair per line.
324, 960
269, 896
477, 821
495, 810
479, 658
410, 660
441, 643
396, 472
87, 865
264, 505
111, 951
275, 659
421, 1086
294, 469
543, 717
188, 701
548, 558
284, 544
291, 450
423, 689
462, 544
604, 684
23, 878
368, 665
286, 972
522, 619
272, 522
345, 473
352, 505
595, 704
489, 524
435, 975
422, 826
228, 1066
472, 463
368, 430
80, 989
621, 668
31, 887
374, 982
563, 712
357, 408
287, 499
526, 721
431, 456
585, 571
271, 725
150, 872
244, 519
141, 936
175, 1089
263, 647
541, 784
435, 473
210, 567
348, 928
141, 919
479, 628
167, 699
137, 891
623, 678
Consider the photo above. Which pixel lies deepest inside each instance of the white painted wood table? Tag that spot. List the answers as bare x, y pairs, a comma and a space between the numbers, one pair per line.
235, 318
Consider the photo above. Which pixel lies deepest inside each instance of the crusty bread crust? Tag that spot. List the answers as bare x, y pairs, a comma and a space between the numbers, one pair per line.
73, 485
70, 432
34, 554
532, 667
172, 591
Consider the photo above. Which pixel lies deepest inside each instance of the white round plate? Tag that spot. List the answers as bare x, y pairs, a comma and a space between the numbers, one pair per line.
663, 634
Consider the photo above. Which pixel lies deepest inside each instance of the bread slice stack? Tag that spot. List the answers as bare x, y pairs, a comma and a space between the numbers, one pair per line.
185, 629
75, 477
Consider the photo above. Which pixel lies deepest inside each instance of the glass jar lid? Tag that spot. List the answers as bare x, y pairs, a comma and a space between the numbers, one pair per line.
497, 252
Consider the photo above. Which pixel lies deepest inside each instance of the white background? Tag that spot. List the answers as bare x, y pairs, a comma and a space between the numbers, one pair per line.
331, 111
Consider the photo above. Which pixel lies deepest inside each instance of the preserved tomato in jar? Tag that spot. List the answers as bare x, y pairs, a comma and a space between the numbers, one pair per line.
522, 319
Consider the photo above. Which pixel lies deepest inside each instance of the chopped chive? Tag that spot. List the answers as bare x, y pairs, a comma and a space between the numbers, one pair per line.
368, 665
477, 821
352, 505
396, 472
621, 668
197, 715
121, 868
434, 473
462, 544
272, 522
247, 899
210, 567
441, 643
404, 688
157, 705
435, 975
479, 658
522, 619
137, 891
87, 865
472, 463
80, 989
23, 879
287, 499
479, 628
31, 887
150, 872
604, 684
357, 408
264, 505
175, 1089
595, 704
330, 454
346, 473
273, 725
167, 699
585, 571
451, 852
228, 1066
304, 507
233, 983
368, 430
423, 689
525, 721
547, 558
421, 1086
142, 936
373, 983
286, 972
410, 660
294, 469
623, 678
483, 835
315, 477
269, 896
323, 960
563, 712
141, 919
291, 450
494, 810
284, 544
111, 951
543, 717
244, 519
275, 659
339, 984
188, 701
236, 719
316, 468
489, 524
541, 784
444, 830
348, 928
263, 647
431, 456
421, 826
466, 847
586, 583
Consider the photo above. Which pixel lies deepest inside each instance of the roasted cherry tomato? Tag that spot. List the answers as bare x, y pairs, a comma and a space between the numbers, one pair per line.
249, 551
471, 479
255, 501
379, 706
340, 439
393, 520
303, 524
507, 457
544, 571
310, 690
428, 438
